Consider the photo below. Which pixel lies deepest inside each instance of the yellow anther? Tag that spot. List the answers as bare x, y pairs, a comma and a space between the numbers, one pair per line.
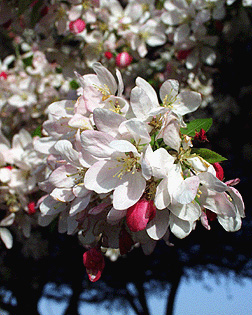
105, 91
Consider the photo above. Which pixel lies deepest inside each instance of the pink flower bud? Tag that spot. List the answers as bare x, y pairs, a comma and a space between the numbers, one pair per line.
94, 262
123, 59
183, 54
3, 75
108, 55
31, 207
77, 26
140, 214
219, 171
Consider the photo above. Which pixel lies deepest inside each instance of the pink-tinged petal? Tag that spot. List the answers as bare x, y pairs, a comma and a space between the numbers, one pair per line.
158, 226
79, 204
56, 128
180, 228
99, 208
237, 200
129, 191
105, 77
49, 206
107, 121
216, 202
212, 182
62, 194
63, 176
94, 262
97, 143
187, 190
114, 216
102, 176
92, 98
140, 214
204, 221
169, 89
65, 149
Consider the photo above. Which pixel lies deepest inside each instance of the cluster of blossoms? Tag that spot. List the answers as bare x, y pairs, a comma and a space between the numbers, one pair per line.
126, 172
119, 166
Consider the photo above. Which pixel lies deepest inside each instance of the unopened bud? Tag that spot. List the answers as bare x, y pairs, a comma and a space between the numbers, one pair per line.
123, 59
77, 26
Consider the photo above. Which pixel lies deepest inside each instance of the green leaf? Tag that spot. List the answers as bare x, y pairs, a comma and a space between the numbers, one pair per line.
74, 85
28, 61
209, 155
197, 125
37, 132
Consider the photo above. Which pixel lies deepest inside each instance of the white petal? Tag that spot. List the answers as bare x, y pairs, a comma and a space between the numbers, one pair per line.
107, 121
123, 146
180, 228
140, 103
149, 90
169, 89
63, 176
136, 129
49, 206
189, 212
105, 77
187, 190
6, 237
102, 176
62, 194
79, 204
65, 149
212, 182
8, 220
114, 216
187, 102
97, 143
129, 192
162, 198
230, 224
158, 226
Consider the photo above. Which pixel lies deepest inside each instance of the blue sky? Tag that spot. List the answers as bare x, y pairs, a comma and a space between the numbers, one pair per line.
204, 297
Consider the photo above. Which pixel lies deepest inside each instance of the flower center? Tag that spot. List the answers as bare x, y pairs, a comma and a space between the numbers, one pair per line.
128, 164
